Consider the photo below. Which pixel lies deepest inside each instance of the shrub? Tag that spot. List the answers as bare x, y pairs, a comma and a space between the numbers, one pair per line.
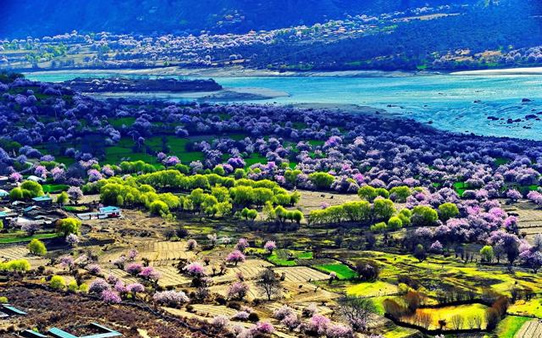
379, 227
238, 290
395, 223
134, 268
15, 265
57, 282
98, 286
72, 286
253, 317
367, 270
110, 297
283, 312
170, 298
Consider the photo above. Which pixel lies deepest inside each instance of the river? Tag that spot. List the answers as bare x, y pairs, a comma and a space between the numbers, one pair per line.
460, 103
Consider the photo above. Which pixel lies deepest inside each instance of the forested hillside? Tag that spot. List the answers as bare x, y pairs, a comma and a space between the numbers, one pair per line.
24, 17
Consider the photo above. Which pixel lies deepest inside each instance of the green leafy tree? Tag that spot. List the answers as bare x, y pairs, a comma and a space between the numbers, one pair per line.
400, 194
62, 198
35, 189
367, 193
423, 215
395, 223
16, 194
321, 180
487, 253
405, 215
383, 209
379, 227
159, 208
419, 253
36, 247
447, 211
68, 226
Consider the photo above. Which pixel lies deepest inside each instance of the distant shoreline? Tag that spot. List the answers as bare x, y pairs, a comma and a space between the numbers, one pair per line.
247, 72
504, 71
231, 72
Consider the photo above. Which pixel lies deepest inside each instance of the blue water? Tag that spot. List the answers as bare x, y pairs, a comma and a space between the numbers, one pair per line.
448, 101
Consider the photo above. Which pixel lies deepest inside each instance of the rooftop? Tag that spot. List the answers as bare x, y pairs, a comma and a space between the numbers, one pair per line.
43, 198
109, 209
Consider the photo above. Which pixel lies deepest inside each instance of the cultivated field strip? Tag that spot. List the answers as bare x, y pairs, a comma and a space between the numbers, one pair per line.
213, 310
171, 277
301, 274
304, 293
250, 270
122, 275
19, 252
530, 222
162, 251
530, 329
252, 293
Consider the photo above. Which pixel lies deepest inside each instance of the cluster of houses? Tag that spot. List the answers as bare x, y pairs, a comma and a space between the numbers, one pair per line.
41, 210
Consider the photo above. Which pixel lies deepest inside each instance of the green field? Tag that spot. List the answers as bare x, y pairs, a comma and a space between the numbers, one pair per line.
54, 188
288, 257
342, 271
509, 326
20, 236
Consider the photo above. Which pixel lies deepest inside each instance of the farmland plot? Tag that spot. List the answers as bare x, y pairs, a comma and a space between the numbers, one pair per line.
530, 219
222, 289
208, 310
171, 277
307, 293
530, 329
121, 274
164, 251
301, 274
250, 270
19, 252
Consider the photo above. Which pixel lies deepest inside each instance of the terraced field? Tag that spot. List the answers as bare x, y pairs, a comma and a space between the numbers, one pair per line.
249, 269
20, 251
171, 277
530, 329
165, 251
301, 274
530, 218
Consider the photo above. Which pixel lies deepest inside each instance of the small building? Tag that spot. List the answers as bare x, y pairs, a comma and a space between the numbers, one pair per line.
32, 210
43, 201
35, 179
110, 211
103, 213
4, 181
4, 195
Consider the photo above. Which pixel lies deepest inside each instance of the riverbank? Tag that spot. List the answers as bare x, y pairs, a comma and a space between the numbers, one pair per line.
496, 72
224, 95
234, 71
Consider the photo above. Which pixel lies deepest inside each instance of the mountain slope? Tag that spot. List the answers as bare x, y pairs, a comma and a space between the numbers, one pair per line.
21, 18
